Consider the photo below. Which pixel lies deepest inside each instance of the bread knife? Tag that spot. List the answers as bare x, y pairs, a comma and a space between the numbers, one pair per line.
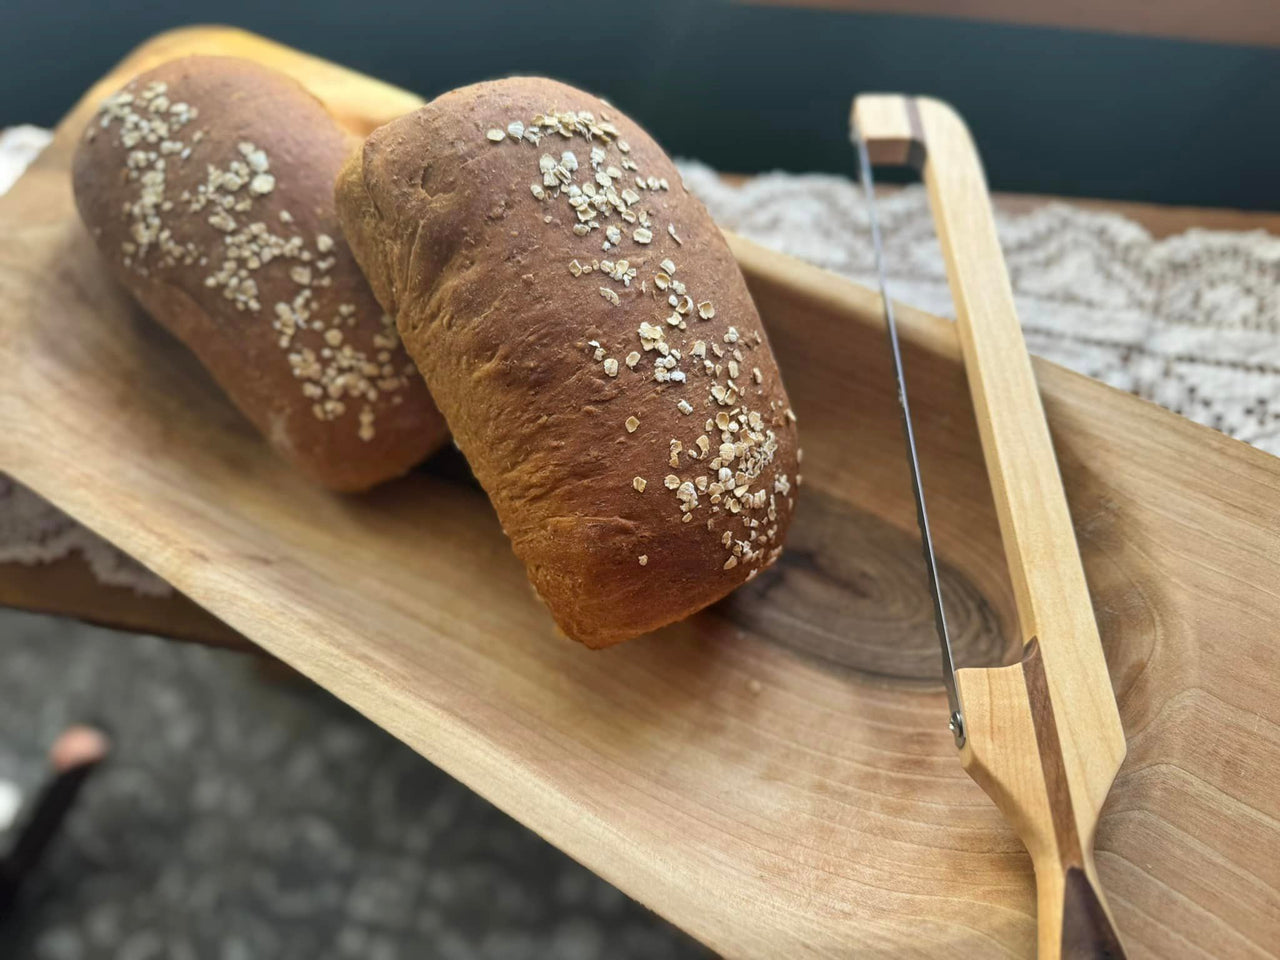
1043, 736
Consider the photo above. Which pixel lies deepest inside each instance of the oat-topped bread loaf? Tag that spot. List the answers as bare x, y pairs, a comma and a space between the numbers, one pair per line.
591, 343
207, 184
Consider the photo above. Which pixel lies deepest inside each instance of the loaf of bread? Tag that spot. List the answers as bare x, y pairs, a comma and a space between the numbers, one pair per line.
591, 342
207, 184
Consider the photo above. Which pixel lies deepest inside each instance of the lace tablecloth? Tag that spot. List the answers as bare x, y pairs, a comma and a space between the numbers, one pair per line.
1191, 322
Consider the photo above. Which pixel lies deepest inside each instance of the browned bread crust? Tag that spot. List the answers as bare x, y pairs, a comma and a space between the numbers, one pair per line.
207, 184
463, 218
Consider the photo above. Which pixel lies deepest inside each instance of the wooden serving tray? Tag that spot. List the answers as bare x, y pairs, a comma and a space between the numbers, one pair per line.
775, 775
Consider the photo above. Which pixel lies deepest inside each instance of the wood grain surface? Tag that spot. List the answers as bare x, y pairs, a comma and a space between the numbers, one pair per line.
68, 587
1247, 22
773, 775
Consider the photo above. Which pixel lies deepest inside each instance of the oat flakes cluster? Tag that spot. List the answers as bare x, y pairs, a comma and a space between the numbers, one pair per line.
220, 227
720, 474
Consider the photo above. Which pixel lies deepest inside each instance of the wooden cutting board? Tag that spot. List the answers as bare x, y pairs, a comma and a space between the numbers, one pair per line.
775, 775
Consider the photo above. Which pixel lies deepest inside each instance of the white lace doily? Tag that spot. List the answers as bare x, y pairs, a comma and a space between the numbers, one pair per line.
1191, 322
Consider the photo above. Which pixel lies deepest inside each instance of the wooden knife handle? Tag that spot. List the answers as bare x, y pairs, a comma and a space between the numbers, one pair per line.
1013, 752
1043, 736
1087, 930
1074, 922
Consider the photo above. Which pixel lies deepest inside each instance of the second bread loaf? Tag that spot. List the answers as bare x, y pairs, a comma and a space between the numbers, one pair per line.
208, 186
590, 340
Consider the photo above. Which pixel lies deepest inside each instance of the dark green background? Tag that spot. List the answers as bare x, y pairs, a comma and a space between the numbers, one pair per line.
755, 88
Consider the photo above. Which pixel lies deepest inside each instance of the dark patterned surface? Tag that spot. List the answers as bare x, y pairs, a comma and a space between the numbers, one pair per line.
247, 814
